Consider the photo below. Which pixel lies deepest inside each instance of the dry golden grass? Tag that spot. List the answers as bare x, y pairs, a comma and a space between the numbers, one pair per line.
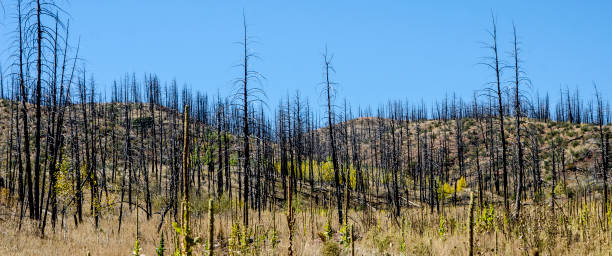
577, 229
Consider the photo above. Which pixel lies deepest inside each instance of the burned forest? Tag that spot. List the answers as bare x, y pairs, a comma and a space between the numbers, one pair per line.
146, 166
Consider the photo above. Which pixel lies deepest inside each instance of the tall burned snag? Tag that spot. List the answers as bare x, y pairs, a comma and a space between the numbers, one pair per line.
328, 90
494, 64
603, 137
518, 79
246, 94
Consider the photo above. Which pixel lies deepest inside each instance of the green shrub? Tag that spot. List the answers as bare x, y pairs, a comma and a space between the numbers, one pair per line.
233, 159
575, 143
160, 249
442, 227
345, 235
486, 219
382, 243
137, 248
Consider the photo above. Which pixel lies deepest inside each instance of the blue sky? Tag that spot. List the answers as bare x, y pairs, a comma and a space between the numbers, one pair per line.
382, 49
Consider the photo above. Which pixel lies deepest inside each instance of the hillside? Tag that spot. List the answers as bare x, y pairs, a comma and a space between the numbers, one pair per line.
424, 156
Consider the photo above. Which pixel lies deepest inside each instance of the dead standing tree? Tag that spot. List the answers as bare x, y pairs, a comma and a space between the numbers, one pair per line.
328, 90
59, 105
246, 94
494, 64
24, 109
603, 147
519, 78
39, 58
218, 113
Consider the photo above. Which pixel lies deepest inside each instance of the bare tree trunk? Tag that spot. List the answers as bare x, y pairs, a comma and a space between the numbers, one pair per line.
245, 133
36, 205
24, 109
496, 67
603, 139
328, 92
517, 113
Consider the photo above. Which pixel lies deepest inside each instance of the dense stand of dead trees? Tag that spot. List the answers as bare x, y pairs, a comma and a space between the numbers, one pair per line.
119, 153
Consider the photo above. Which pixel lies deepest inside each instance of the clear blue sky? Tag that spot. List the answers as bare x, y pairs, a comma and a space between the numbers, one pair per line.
383, 49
